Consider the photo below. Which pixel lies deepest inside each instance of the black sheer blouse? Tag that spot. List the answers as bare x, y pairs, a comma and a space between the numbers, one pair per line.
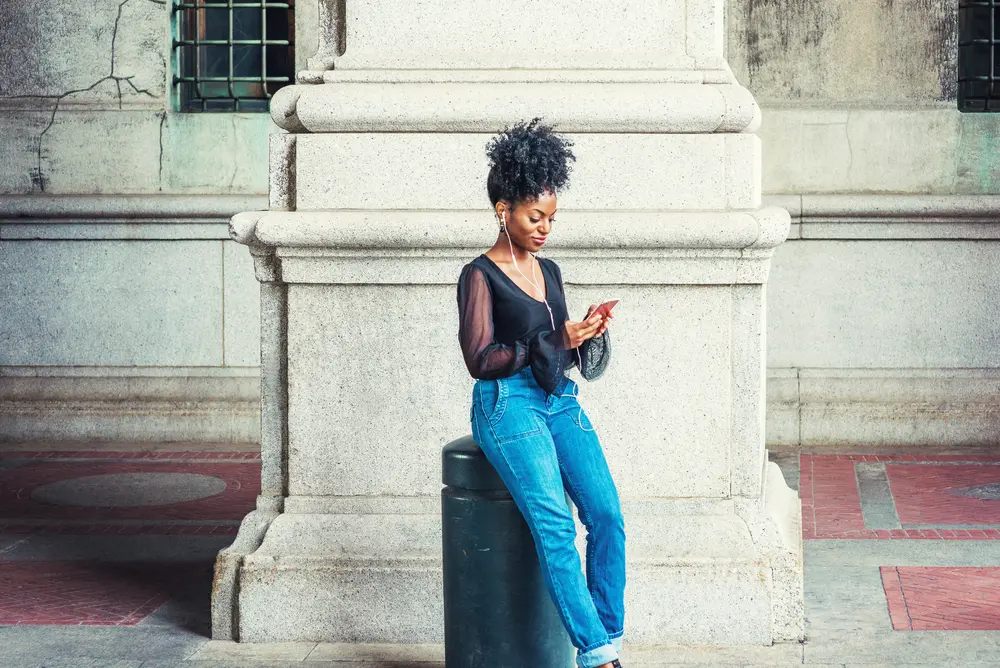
503, 329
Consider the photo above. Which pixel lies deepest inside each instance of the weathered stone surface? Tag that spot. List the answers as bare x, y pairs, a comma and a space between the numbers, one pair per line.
690, 171
388, 207
649, 35
170, 291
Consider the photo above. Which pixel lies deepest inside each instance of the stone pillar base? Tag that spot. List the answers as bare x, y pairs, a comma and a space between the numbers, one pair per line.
700, 572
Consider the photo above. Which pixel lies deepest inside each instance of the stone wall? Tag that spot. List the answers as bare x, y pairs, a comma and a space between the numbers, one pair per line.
883, 305
129, 314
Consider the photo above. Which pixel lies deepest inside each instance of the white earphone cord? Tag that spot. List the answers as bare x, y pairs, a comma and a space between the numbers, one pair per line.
551, 317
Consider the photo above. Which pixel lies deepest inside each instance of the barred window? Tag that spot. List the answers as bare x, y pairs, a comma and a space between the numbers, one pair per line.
978, 55
231, 56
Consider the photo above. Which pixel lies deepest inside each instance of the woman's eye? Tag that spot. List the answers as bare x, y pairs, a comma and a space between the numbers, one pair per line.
534, 220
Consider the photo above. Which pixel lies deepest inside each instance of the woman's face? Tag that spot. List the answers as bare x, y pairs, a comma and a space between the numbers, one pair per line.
530, 222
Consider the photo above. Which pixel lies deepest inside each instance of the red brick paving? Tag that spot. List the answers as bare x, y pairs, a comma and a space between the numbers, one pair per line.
80, 593
942, 598
921, 494
893, 588
216, 514
55, 592
831, 503
86, 593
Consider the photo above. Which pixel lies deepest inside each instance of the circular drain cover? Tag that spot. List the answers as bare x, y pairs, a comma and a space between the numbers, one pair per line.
128, 489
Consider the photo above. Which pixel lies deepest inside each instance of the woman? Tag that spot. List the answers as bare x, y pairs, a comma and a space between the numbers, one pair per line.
518, 342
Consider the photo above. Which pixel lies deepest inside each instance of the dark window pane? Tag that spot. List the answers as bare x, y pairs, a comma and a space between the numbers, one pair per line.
214, 89
188, 95
279, 60
214, 23
248, 89
974, 61
978, 88
246, 61
214, 61
246, 23
279, 24
976, 21
185, 61
185, 25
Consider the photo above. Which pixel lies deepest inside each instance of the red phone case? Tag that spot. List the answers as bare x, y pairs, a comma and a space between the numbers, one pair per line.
605, 308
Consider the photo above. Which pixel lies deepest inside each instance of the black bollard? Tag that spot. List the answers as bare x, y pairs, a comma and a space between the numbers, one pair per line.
497, 611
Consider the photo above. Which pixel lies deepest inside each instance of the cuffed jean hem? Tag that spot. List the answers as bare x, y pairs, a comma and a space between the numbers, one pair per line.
616, 640
597, 656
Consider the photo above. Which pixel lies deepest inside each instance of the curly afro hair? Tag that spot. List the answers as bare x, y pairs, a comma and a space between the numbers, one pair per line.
525, 161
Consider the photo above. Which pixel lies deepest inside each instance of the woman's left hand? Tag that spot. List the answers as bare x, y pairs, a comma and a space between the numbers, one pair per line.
604, 322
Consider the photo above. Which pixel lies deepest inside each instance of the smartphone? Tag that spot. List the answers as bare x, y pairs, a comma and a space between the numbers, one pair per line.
605, 308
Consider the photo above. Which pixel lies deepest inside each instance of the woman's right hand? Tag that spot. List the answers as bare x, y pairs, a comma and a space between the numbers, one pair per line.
575, 333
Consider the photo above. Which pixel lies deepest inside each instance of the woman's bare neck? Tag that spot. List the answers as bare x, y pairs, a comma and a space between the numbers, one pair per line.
500, 254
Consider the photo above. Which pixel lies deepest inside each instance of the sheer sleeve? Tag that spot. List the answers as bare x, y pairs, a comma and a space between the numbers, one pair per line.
486, 359
594, 353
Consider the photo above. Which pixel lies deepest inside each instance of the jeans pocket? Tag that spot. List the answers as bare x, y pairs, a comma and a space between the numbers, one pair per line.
493, 399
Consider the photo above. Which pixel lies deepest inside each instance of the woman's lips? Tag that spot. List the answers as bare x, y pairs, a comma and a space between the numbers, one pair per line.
538, 240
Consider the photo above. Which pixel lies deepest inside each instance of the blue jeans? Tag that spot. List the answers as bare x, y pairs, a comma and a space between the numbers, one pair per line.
543, 447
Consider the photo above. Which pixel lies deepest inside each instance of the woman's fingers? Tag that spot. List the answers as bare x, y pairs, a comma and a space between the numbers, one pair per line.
591, 329
578, 332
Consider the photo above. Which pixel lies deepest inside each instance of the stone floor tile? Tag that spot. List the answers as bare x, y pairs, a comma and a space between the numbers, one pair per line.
21, 644
774, 654
223, 650
934, 648
189, 608
876, 553
288, 664
710, 664
239, 663
977, 664
845, 599
377, 652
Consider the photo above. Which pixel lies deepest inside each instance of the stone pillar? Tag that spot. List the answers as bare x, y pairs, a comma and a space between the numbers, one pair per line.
378, 198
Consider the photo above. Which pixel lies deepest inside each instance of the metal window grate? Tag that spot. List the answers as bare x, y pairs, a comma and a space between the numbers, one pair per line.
978, 55
231, 56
